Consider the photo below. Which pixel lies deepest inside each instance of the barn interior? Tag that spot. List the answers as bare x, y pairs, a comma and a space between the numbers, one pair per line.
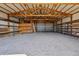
39, 28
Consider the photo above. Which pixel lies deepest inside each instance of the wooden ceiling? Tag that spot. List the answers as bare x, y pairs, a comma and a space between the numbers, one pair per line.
39, 10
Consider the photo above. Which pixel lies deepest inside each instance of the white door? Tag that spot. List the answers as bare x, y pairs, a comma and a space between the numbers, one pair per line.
49, 27
40, 27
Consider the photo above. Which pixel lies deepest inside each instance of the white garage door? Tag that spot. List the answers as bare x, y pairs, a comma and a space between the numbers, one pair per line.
40, 27
49, 27
44, 27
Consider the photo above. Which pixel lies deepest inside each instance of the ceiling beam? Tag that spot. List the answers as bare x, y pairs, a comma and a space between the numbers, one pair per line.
3, 12
9, 7
74, 10
5, 9
58, 6
69, 8
22, 15
42, 9
63, 8
16, 6
22, 6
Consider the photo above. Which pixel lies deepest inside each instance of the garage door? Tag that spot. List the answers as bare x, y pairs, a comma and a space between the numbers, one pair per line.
49, 27
40, 27
44, 27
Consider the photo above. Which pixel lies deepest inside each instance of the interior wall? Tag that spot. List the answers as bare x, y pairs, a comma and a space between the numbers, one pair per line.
76, 16
66, 20
3, 16
14, 25
13, 18
69, 28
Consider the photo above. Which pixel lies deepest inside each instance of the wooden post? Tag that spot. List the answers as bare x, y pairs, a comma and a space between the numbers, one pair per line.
71, 23
45, 25
53, 26
13, 30
8, 22
61, 25
67, 28
35, 26
56, 27
33, 29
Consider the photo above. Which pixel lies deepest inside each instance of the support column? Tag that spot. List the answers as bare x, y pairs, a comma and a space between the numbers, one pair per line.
67, 28
61, 25
13, 30
35, 26
71, 23
56, 26
53, 26
8, 22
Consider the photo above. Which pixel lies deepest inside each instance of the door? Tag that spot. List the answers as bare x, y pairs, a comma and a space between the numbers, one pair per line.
40, 27
49, 27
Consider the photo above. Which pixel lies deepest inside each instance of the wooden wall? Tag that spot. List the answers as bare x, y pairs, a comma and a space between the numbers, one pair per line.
25, 27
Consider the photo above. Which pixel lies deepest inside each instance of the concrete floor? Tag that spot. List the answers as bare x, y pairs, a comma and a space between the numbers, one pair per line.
40, 44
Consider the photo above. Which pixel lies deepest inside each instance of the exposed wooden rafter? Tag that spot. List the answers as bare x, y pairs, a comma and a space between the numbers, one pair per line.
10, 7
69, 8
22, 5
74, 9
3, 12
42, 9
35, 16
63, 7
5, 9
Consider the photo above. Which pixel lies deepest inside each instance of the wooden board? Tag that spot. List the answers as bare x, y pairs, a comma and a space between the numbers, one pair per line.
25, 27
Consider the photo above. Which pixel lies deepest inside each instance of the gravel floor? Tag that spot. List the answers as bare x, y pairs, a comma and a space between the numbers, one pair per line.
40, 44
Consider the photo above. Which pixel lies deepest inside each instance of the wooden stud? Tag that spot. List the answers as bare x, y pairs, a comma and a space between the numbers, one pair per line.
8, 22
53, 26
71, 24
61, 25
